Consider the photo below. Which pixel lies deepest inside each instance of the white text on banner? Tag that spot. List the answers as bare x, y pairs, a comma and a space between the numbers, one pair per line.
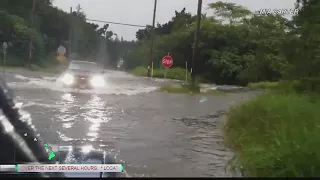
70, 168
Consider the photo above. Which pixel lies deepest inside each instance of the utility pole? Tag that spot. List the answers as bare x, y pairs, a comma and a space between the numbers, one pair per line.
152, 38
196, 44
70, 35
31, 33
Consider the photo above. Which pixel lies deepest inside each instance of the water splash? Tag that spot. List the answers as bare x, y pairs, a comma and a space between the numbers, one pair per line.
117, 83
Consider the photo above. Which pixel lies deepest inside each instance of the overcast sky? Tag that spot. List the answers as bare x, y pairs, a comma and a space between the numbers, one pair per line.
141, 11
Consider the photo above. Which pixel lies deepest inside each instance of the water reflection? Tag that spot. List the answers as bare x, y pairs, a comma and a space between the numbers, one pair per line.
68, 97
66, 115
95, 115
68, 102
87, 112
67, 125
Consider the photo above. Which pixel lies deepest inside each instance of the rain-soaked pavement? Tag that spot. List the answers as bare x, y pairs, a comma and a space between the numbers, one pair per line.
153, 133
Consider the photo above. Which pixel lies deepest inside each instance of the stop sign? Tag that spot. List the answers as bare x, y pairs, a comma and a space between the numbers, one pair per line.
167, 61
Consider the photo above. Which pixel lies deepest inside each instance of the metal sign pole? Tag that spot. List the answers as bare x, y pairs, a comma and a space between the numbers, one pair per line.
152, 69
186, 71
4, 49
166, 70
4, 60
165, 73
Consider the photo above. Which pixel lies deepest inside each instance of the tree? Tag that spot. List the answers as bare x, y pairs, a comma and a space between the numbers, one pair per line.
229, 12
306, 52
237, 46
51, 29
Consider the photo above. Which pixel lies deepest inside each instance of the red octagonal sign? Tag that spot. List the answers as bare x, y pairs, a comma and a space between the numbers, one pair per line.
167, 61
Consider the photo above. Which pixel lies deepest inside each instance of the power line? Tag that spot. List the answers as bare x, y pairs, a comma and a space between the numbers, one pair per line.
125, 24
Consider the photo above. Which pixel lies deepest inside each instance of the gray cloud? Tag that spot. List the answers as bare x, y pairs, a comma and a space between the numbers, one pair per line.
141, 11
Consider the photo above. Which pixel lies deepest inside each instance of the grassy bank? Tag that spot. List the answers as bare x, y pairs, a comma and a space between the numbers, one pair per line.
48, 69
276, 135
172, 73
49, 64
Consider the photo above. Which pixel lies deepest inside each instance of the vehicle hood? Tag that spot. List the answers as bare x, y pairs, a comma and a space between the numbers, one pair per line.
85, 154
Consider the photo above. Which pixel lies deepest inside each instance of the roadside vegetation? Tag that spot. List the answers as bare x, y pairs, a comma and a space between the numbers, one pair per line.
264, 85
172, 73
179, 89
54, 69
276, 134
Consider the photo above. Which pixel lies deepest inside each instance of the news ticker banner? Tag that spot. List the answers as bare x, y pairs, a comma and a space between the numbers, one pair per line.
25, 168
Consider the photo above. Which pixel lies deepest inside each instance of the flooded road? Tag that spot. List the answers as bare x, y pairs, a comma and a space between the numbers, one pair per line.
153, 133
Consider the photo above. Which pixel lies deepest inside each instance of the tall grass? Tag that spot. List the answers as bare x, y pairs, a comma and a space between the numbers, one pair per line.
264, 85
276, 135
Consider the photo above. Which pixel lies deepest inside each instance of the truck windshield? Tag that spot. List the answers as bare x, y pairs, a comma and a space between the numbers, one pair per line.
83, 66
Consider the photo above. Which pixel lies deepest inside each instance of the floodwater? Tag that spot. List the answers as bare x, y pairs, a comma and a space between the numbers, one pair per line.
153, 133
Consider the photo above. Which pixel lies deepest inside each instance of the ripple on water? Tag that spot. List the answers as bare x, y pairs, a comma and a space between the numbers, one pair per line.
206, 144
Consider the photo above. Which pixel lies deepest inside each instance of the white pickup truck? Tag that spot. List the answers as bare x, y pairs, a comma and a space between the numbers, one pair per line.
83, 75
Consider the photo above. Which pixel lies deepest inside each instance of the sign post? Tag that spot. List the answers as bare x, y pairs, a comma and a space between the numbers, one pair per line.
152, 69
166, 62
165, 73
61, 51
4, 49
186, 71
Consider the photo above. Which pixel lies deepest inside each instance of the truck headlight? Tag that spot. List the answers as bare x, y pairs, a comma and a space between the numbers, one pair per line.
68, 79
97, 81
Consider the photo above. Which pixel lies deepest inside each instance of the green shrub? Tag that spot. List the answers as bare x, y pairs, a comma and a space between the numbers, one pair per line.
276, 135
302, 85
12, 61
309, 84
